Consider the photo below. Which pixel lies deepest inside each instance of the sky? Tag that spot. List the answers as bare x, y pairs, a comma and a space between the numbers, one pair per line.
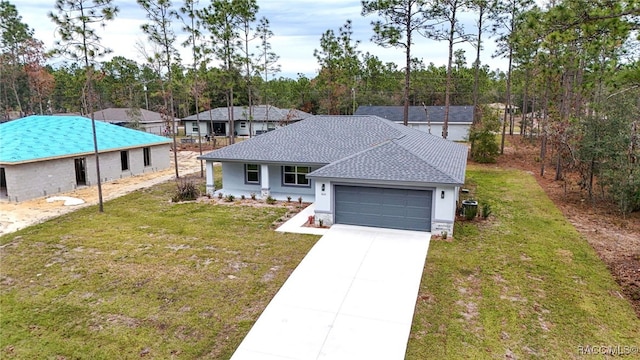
297, 26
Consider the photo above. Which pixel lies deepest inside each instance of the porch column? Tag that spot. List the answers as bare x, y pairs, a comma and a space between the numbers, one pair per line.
264, 180
211, 188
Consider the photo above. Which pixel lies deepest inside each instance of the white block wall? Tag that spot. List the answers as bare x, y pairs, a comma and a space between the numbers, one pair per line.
444, 212
45, 178
457, 132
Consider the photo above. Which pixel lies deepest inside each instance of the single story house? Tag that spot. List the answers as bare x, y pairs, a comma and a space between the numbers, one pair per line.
45, 155
501, 108
149, 121
430, 121
359, 170
263, 118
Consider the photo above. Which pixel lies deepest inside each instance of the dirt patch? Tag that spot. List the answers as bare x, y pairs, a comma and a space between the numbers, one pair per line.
616, 238
469, 289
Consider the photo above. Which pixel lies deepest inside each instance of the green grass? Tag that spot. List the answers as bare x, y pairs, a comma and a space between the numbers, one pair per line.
523, 284
146, 278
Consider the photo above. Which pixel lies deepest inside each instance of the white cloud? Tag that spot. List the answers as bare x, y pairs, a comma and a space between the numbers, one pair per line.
297, 25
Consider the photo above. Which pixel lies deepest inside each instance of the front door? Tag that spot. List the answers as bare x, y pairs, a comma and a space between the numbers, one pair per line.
219, 128
81, 171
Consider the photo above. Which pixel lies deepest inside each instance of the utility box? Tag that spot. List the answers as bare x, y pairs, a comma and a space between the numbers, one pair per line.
469, 209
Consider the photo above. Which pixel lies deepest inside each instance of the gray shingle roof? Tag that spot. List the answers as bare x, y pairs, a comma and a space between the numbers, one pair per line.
355, 147
259, 112
119, 115
457, 114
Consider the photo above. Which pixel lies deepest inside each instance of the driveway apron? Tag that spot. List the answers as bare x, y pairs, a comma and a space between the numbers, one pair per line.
351, 297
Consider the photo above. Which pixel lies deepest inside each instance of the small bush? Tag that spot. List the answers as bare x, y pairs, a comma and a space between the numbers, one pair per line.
300, 200
445, 235
186, 191
242, 197
288, 198
253, 196
220, 195
229, 198
486, 210
270, 200
320, 222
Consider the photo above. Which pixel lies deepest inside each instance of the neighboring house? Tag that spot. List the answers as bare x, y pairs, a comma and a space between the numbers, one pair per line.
45, 155
501, 108
360, 170
9, 115
149, 121
264, 118
431, 121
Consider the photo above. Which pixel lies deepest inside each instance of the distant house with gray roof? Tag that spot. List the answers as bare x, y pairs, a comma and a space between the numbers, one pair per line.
264, 118
430, 121
359, 170
145, 120
45, 155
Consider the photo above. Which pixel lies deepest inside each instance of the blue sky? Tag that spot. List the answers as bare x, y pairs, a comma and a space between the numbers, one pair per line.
297, 26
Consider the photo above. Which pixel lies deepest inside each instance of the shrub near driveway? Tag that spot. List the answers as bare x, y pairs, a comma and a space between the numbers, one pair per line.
523, 284
148, 278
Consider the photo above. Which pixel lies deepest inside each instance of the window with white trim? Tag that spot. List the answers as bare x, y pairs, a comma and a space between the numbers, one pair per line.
295, 175
252, 173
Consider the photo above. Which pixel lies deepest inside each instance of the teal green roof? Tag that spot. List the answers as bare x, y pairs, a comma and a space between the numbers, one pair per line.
43, 137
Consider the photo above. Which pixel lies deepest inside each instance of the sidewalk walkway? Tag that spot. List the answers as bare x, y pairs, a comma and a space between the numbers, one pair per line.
295, 224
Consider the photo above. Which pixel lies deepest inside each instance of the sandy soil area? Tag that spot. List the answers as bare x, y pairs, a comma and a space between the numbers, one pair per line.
14, 216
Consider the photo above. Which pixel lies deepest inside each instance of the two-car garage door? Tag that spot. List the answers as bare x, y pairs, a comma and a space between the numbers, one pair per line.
406, 209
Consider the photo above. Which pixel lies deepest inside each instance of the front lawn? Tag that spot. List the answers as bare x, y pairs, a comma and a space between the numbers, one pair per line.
523, 284
152, 279
147, 278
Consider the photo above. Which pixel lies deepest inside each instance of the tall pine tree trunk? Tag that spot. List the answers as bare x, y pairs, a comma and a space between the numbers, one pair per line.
545, 115
507, 105
525, 99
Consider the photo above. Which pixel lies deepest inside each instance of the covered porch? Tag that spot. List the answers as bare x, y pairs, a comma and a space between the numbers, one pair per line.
279, 181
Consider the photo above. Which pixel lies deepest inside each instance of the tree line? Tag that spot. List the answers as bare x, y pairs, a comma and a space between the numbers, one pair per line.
573, 73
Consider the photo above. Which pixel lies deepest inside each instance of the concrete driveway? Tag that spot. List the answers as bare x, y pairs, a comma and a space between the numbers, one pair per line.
351, 297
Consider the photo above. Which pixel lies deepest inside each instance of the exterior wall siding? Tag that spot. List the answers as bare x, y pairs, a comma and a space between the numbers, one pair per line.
189, 127
444, 211
33, 180
457, 132
205, 127
277, 186
233, 182
45, 178
324, 209
242, 127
